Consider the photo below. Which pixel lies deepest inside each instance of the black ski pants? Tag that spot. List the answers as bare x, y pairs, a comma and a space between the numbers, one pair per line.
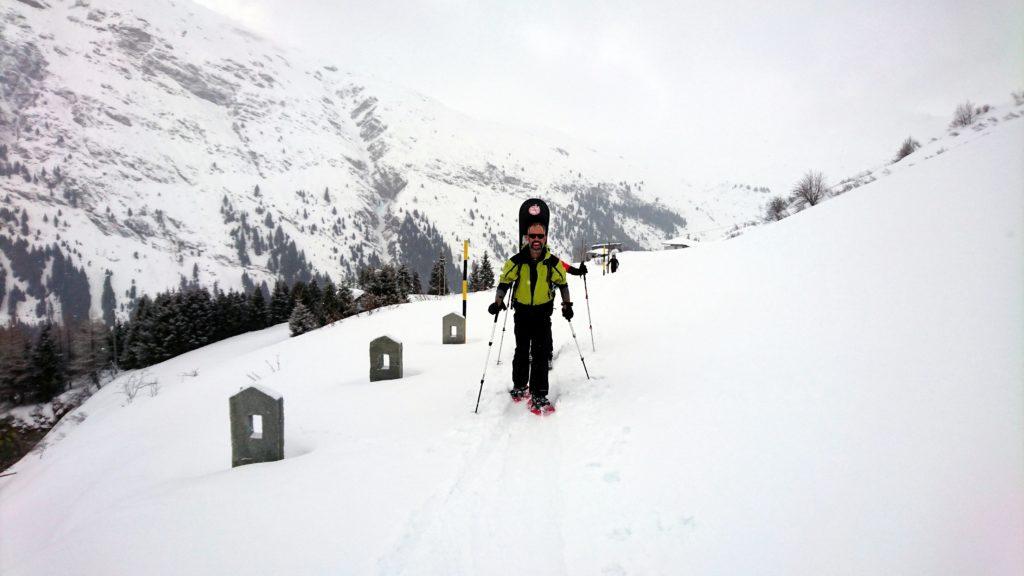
533, 347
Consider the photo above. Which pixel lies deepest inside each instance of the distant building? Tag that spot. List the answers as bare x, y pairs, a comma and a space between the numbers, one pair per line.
677, 243
601, 251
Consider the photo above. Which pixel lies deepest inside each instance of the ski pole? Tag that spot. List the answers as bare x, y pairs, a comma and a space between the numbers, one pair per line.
487, 361
578, 349
586, 294
505, 322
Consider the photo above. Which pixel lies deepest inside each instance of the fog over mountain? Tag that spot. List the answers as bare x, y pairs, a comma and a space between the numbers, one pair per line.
151, 141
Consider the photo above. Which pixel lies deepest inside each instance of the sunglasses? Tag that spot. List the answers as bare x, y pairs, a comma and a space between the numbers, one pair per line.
536, 236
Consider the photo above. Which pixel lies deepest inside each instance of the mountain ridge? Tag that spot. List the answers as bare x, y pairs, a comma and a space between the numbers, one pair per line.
162, 138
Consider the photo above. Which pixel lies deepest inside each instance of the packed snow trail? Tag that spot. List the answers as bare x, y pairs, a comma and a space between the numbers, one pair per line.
838, 393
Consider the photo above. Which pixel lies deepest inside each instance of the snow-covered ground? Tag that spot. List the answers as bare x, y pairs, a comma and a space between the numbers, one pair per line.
838, 393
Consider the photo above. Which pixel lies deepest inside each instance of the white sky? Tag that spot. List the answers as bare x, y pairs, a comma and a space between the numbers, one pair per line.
737, 90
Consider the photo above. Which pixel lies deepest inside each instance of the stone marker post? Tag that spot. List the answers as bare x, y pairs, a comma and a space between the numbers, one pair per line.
457, 322
385, 359
257, 426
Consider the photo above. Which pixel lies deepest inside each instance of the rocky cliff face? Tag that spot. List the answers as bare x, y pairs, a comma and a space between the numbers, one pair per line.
151, 140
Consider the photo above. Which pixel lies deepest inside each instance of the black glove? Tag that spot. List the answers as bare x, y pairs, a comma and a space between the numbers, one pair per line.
582, 268
496, 307
567, 310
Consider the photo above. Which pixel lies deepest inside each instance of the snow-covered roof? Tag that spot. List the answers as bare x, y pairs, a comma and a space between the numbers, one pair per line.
602, 253
680, 241
268, 391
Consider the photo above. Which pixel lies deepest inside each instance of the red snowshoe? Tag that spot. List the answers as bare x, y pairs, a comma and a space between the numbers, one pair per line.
519, 394
540, 406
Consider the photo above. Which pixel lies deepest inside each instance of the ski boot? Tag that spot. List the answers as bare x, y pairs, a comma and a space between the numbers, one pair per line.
519, 394
540, 406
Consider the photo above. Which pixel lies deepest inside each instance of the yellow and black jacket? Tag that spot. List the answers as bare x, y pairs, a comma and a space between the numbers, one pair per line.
534, 281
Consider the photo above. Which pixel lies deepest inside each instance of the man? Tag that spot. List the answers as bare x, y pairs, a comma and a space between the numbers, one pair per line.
532, 274
614, 263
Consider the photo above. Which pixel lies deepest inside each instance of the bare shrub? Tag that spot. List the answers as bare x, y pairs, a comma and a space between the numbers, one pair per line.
776, 210
811, 189
136, 382
1018, 98
276, 366
906, 149
965, 115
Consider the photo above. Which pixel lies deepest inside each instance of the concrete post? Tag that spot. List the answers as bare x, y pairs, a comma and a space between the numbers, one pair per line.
257, 426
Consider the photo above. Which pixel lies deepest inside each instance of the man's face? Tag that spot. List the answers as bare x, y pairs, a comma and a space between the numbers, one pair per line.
537, 237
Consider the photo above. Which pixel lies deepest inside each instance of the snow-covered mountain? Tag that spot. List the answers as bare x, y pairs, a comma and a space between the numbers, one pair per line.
155, 139
837, 393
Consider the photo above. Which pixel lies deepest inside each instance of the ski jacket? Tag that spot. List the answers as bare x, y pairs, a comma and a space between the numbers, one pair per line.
535, 281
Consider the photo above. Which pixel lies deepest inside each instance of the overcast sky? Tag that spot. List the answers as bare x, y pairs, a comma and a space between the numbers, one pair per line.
710, 90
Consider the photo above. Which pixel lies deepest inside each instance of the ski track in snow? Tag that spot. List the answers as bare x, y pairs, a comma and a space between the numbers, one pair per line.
487, 510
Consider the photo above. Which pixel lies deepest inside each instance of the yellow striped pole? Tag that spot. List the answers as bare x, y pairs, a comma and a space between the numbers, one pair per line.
465, 268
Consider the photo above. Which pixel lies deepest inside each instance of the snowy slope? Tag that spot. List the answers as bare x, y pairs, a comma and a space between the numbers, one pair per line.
161, 137
838, 393
727, 209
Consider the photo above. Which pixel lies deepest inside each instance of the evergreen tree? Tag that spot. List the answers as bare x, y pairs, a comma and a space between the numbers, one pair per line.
312, 297
158, 339
3, 282
15, 356
108, 301
196, 319
135, 343
384, 286
365, 277
11, 446
486, 274
280, 304
47, 369
474, 277
417, 285
439, 276
246, 319
346, 303
404, 280
233, 311
247, 284
329, 303
258, 310
296, 294
71, 285
91, 354
301, 320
